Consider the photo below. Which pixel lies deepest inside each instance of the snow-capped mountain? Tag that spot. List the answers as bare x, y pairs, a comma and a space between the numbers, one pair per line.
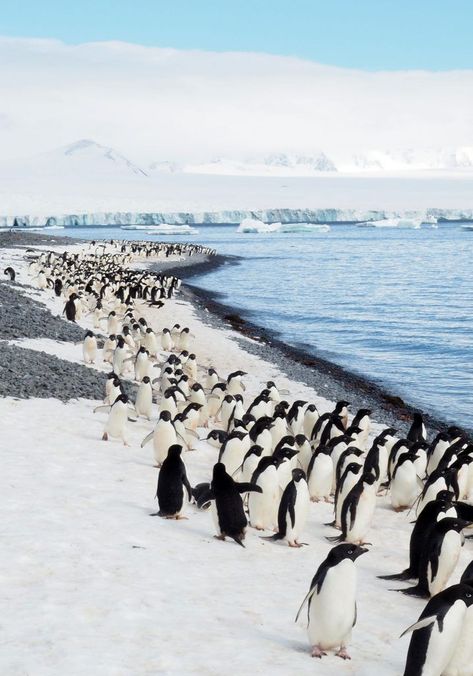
446, 160
81, 158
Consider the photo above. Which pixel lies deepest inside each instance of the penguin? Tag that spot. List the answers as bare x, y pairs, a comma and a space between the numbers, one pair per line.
439, 557
70, 308
348, 479
118, 416
200, 495
144, 398
119, 356
89, 348
250, 462
357, 510
227, 504
434, 511
320, 475
331, 601
362, 420
235, 384
172, 485
142, 364
262, 507
461, 664
405, 483
311, 415
417, 431
233, 451
293, 510
11, 273
437, 632
163, 436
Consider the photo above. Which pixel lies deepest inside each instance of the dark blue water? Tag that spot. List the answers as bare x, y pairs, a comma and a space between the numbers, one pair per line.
395, 306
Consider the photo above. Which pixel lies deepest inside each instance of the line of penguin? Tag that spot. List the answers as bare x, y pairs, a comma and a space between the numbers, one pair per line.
274, 457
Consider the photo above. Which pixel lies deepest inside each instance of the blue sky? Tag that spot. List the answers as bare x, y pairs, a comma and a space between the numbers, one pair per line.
366, 34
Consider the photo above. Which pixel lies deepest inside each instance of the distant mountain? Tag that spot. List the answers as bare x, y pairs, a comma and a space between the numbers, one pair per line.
80, 159
446, 160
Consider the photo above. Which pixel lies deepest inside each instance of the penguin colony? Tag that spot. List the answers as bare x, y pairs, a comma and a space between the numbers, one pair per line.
274, 458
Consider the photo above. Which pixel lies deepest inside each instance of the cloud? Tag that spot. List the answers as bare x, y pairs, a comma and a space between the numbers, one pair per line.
157, 104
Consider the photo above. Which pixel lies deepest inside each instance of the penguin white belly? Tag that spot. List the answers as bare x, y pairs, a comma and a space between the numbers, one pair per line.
265, 441
144, 401
383, 464
263, 506
233, 455
213, 511
461, 663
164, 436
320, 480
363, 517
115, 426
449, 553
404, 488
442, 645
421, 463
301, 512
431, 493
89, 350
284, 474
332, 610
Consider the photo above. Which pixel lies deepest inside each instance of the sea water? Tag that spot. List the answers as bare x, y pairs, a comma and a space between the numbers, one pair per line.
394, 306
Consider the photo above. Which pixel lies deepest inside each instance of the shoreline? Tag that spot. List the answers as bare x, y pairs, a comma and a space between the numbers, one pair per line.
327, 378
312, 369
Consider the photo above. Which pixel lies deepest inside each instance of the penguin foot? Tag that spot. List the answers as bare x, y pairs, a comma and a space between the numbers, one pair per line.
180, 517
219, 537
329, 500
297, 544
315, 499
317, 652
343, 654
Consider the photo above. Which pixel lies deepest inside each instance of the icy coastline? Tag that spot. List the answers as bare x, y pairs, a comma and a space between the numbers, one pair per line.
119, 218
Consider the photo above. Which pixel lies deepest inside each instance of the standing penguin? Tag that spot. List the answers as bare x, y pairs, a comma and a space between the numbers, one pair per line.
118, 415
172, 485
144, 398
332, 601
439, 557
70, 309
405, 483
357, 510
227, 504
89, 348
293, 510
10, 272
437, 632
320, 475
262, 507
163, 436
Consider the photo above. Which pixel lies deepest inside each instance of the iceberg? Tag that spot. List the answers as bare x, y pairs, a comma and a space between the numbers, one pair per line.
163, 229
402, 223
254, 226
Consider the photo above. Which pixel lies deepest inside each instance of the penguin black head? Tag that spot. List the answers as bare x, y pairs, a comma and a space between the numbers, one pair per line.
165, 415
111, 375
345, 551
300, 439
298, 475
112, 337
89, 334
270, 384
121, 397
174, 451
146, 379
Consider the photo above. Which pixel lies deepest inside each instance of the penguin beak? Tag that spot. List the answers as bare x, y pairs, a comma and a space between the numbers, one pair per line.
360, 551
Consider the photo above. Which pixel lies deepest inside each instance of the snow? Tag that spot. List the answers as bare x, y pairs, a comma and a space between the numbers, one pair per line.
94, 585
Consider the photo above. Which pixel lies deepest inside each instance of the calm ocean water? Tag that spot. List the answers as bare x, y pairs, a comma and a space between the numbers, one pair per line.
395, 306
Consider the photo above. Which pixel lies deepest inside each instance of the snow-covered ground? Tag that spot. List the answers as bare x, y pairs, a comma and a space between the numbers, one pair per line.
93, 585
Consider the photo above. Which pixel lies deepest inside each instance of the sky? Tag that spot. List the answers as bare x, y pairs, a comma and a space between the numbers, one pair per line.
360, 34
192, 80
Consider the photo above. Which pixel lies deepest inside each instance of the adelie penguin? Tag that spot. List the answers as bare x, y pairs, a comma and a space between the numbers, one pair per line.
439, 557
437, 632
10, 272
293, 510
172, 485
70, 309
227, 504
331, 602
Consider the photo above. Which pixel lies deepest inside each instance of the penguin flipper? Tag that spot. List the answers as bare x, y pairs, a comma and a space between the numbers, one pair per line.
413, 591
405, 575
306, 599
420, 624
147, 438
102, 409
248, 487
